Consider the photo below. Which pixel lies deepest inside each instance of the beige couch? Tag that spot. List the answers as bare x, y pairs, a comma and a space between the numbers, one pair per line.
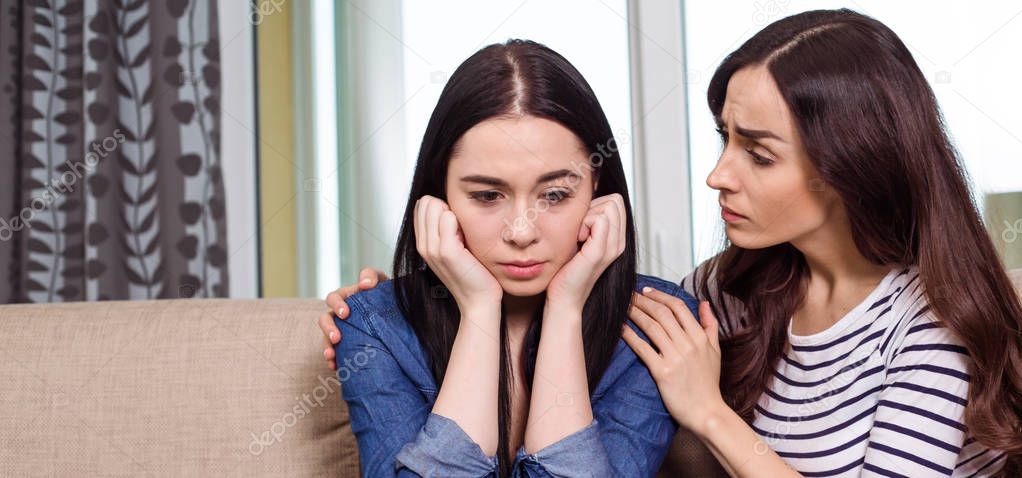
185, 388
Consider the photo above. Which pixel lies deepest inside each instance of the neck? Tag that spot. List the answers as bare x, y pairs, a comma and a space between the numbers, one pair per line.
520, 312
834, 260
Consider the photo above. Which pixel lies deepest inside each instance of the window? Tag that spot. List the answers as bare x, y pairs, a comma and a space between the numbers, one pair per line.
439, 35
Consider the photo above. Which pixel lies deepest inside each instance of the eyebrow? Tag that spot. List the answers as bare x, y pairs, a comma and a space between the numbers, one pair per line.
750, 133
756, 133
492, 181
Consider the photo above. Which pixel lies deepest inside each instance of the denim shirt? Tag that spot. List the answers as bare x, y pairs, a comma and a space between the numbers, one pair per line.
387, 384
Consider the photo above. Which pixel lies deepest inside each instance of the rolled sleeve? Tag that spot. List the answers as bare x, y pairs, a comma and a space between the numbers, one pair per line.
579, 454
442, 448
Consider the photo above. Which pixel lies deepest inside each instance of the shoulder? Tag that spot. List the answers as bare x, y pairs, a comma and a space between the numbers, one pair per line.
704, 273
703, 284
625, 369
904, 303
663, 286
373, 312
376, 336
915, 332
668, 287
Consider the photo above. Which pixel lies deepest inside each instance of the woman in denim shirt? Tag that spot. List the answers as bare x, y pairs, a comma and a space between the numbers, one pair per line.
497, 349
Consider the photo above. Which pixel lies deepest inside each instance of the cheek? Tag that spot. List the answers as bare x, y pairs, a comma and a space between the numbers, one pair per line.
479, 230
801, 199
787, 206
560, 231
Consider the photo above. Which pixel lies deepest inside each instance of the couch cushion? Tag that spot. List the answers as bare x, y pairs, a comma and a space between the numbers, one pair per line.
170, 387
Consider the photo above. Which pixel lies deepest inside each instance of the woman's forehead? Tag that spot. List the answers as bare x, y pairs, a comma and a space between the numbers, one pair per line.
754, 102
519, 148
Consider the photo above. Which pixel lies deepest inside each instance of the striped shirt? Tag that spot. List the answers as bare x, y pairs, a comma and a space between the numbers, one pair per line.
880, 392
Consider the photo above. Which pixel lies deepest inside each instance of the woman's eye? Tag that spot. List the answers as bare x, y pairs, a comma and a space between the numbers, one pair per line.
555, 196
758, 158
485, 196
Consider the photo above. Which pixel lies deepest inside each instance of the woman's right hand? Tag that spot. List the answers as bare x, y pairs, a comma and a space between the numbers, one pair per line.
367, 279
439, 241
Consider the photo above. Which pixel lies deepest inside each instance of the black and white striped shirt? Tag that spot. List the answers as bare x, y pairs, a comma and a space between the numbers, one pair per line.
880, 392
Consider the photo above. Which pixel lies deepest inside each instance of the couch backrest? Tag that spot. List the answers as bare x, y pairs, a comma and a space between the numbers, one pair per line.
172, 388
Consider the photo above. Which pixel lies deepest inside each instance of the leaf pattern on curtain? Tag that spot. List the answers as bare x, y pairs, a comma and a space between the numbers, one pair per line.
110, 178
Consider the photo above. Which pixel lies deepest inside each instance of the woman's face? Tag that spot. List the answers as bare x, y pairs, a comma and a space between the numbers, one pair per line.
770, 192
520, 188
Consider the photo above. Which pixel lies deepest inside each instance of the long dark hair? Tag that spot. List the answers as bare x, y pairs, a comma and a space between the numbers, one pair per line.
517, 78
871, 126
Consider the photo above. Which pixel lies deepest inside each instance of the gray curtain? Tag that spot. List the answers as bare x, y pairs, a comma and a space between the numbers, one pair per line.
110, 179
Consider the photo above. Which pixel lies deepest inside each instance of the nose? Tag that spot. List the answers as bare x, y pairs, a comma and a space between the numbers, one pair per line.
722, 178
521, 229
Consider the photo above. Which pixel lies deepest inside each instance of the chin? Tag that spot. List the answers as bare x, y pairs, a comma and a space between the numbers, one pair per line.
524, 288
745, 241
749, 240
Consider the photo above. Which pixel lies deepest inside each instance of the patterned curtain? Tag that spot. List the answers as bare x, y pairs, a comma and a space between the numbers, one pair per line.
110, 179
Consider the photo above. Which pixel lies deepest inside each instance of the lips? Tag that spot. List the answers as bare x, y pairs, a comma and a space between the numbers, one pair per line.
731, 211
521, 263
523, 269
729, 214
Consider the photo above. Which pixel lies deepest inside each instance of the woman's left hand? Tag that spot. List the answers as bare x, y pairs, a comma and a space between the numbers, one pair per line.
603, 233
686, 361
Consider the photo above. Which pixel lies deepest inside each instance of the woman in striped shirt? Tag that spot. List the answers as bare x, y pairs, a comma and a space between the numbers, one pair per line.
858, 321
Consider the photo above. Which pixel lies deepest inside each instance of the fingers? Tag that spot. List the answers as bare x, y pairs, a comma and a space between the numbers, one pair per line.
419, 226
663, 316
612, 213
596, 244
433, 211
336, 300
710, 324
583, 232
612, 208
331, 361
640, 347
679, 310
368, 278
428, 210
328, 350
448, 234
330, 332
653, 329
622, 227
331, 336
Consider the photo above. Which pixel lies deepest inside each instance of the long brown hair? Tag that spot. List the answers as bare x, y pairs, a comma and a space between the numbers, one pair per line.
871, 126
